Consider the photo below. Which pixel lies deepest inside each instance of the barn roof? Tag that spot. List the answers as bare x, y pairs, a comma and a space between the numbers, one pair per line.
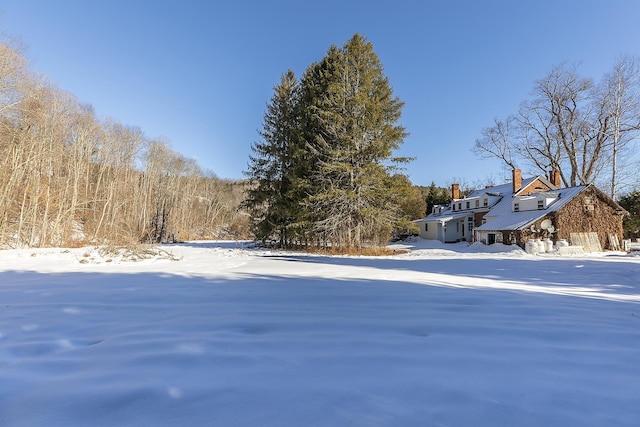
501, 217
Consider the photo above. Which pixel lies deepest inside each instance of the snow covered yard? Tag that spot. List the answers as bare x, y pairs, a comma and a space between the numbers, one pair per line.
445, 335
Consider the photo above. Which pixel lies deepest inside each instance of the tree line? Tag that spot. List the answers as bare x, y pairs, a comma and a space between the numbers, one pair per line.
323, 173
68, 177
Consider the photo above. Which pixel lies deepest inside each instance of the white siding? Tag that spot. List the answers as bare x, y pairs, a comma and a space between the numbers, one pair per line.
455, 231
531, 203
430, 230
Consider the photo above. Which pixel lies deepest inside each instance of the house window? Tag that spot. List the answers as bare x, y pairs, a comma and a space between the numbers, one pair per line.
540, 204
516, 207
485, 202
470, 223
468, 205
426, 226
459, 206
477, 203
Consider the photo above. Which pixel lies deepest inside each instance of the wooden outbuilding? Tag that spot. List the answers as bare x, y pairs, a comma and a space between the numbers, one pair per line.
565, 214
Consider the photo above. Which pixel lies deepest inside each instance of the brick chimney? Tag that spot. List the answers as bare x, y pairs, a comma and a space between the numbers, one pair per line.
517, 180
554, 177
455, 191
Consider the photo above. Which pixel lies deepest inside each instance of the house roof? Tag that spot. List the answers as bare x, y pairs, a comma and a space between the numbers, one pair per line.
501, 216
446, 216
503, 189
507, 189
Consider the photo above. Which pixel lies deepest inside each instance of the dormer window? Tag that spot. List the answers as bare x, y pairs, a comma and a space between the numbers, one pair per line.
477, 203
485, 202
540, 204
516, 207
468, 205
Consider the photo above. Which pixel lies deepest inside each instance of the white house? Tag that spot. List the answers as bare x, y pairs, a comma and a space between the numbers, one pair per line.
458, 220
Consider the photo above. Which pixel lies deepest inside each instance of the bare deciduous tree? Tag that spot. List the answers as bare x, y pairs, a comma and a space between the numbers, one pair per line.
571, 125
619, 94
67, 178
496, 142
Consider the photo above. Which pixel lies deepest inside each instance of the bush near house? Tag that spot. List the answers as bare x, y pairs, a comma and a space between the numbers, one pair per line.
631, 224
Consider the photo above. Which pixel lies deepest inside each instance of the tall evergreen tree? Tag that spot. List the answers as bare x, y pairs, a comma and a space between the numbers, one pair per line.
322, 171
435, 195
351, 133
271, 198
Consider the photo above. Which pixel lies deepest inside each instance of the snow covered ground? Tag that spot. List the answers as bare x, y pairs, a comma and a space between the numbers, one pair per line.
444, 335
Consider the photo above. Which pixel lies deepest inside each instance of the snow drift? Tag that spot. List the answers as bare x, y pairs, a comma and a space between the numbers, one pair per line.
221, 334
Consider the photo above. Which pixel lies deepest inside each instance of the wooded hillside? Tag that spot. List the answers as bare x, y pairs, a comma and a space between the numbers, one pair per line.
68, 177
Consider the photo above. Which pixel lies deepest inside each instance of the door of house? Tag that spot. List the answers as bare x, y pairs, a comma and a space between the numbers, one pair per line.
491, 238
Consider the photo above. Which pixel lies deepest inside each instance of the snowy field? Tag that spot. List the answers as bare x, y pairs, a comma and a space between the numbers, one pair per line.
445, 335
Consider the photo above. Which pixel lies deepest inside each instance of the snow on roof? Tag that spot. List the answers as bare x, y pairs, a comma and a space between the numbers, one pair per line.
448, 214
502, 217
445, 216
504, 189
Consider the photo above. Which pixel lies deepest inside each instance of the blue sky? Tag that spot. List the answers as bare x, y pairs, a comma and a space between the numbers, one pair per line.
199, 73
